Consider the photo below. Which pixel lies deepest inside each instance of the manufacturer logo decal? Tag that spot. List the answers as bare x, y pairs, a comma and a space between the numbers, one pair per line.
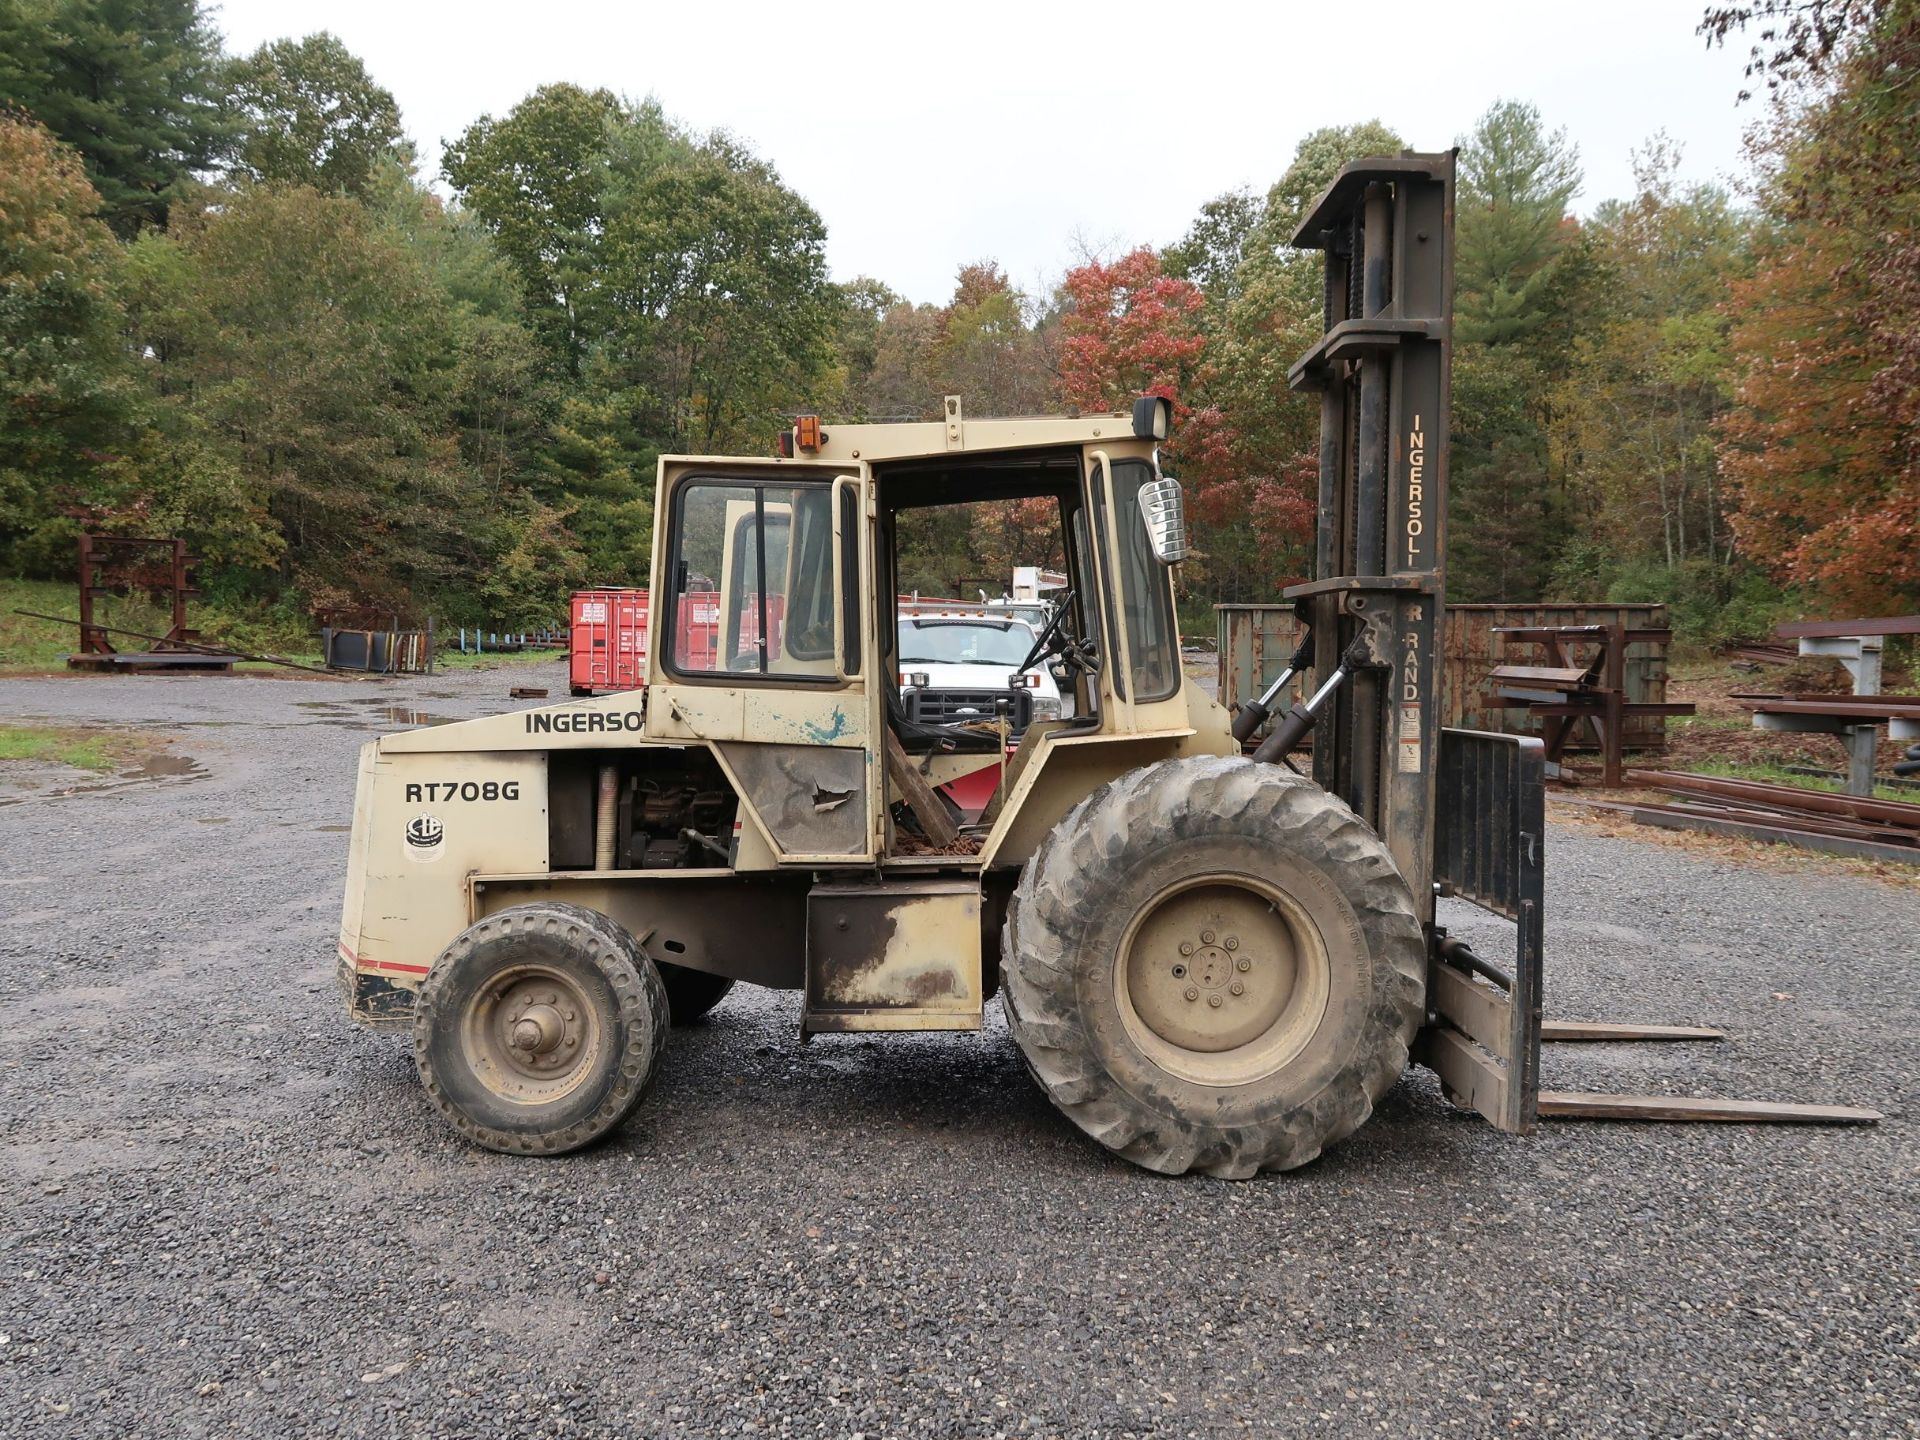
424, 834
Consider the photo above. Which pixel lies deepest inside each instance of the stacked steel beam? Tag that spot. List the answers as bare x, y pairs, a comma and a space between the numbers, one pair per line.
1788, 814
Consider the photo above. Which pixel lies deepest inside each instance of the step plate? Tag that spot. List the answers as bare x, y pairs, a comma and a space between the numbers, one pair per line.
901, 956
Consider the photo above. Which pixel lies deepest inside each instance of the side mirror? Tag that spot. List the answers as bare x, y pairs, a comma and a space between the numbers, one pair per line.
1163, 508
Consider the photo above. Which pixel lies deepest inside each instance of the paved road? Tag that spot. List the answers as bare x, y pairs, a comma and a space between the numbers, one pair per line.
226, 1213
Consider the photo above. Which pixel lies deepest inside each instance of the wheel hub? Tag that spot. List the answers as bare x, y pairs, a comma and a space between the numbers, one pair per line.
1219, 979
531, 1034
538, 1030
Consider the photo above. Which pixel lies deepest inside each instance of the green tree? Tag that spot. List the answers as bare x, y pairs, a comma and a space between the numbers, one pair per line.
903, 383
1516, 181
1502, 537
537, 178
863, 305
316, 358
718, 309
1216, 245
63, 391
309, 114
136, 86
1646, 379
988, 351
1521, 266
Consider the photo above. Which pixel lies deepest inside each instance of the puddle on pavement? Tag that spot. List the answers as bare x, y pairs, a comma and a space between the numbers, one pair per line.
401, 715
350, 712
155, 767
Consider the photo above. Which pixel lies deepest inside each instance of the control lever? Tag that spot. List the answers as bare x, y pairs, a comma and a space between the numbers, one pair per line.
1295, 724
1253, 713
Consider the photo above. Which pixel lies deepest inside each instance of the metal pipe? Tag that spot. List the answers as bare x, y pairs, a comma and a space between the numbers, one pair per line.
604, 816
707, 842
1786, 797
1458, 952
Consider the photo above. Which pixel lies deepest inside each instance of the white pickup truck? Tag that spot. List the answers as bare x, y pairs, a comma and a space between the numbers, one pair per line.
955, 669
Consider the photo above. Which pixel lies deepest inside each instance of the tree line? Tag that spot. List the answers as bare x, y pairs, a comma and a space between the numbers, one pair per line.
233, 308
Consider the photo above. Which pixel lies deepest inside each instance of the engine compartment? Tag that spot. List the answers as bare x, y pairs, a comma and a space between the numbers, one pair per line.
674, 808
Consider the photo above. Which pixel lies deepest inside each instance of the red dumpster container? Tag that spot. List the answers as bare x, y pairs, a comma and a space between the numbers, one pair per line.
609, 636
609, 641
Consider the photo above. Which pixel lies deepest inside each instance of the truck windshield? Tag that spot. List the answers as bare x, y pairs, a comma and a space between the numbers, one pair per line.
965, 642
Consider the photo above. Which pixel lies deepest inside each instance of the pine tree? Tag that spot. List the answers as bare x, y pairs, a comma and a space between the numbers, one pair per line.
136, 86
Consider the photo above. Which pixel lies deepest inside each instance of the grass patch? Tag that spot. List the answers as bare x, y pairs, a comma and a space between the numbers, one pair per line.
454, 660
1709, 722
96, 750
1778, 775
35, 645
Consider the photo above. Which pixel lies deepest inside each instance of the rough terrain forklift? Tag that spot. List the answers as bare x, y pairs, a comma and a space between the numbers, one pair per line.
1209, 961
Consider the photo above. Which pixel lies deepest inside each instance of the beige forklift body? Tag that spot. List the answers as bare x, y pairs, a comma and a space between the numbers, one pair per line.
455, 822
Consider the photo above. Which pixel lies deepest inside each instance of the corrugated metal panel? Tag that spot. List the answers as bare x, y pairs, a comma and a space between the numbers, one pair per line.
1256, 641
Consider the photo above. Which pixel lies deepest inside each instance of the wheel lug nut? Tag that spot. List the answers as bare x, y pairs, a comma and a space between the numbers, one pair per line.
1206, 937
1186, 947
1179, 972
1243, 963
1237, 988
1215, 1001
1233, 942
1193, 992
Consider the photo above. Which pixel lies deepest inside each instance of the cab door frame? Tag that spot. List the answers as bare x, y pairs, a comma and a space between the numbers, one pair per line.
798, 749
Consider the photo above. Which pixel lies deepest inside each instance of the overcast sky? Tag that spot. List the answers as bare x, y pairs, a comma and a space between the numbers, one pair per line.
929, 136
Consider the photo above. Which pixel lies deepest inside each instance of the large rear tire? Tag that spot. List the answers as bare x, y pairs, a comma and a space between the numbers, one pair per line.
539, 1029
1212, 964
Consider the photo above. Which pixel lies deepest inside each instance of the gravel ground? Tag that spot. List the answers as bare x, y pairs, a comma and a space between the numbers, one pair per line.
226, 1212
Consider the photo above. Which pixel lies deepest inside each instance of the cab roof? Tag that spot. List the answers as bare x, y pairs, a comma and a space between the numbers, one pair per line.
955, 434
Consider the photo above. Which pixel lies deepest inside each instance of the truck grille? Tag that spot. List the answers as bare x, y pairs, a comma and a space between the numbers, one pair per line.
962, 707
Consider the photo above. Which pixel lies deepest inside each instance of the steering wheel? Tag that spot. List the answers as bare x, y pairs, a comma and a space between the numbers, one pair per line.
1055, 640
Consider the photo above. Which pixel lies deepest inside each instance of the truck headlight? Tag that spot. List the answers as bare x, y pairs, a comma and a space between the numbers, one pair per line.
1046, 707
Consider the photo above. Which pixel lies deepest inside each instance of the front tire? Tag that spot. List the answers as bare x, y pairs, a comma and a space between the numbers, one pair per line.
1212, 964
539, 1029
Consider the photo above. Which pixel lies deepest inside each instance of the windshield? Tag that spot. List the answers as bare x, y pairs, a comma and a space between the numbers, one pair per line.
965, 642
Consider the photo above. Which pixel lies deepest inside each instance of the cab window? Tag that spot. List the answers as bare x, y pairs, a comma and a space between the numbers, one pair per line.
1146, 592
754, 580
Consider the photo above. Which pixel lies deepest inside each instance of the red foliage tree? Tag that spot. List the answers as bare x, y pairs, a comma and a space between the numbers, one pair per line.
1131, 329
1823, 450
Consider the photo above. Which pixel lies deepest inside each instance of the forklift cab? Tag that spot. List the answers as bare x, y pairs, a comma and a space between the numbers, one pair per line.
803, 673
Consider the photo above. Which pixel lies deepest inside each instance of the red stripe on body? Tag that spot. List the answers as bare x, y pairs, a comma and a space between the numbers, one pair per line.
359, 963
